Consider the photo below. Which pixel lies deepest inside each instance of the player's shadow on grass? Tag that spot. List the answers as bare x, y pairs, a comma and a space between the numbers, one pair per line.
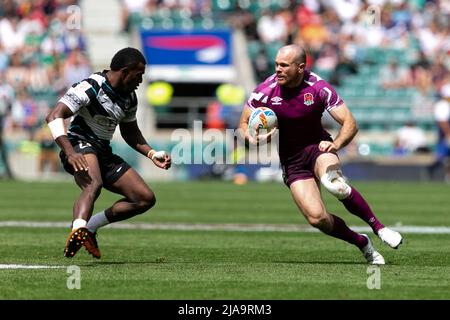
322, 262
117, 263
327, 262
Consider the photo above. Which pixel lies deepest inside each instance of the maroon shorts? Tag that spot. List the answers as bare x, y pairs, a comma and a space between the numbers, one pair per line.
301, 167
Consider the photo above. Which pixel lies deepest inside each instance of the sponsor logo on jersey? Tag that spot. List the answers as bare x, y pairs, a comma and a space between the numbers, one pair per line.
276, 100
83, 145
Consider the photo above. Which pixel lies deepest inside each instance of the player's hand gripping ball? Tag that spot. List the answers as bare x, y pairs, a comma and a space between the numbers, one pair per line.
262, 120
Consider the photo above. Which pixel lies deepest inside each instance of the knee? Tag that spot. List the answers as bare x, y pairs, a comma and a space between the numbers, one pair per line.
146, 201
336, 184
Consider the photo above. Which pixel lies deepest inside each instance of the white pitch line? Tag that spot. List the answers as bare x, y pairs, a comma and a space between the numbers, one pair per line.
24, 266
34, 224
223, 227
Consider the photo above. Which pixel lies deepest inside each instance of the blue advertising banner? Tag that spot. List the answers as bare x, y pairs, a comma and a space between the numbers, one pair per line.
189, 55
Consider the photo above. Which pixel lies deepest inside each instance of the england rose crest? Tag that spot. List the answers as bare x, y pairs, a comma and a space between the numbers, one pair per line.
308, 99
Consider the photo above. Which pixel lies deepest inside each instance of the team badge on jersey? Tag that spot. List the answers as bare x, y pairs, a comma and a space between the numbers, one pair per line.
308, 99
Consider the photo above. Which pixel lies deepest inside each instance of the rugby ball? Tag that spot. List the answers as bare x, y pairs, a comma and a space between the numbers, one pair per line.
262, 118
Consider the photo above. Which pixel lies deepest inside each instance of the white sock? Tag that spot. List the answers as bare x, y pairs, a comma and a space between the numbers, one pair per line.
98, 220
78, 223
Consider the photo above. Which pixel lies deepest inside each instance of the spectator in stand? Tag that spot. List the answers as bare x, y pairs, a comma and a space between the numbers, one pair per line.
17, 73
312, 31
12, 35
73, 40
272, 27
24, 113
345, 67
438, 69
442, 117
245, 20
76, 68
346, 9
52, 45
129, 8
4, 59
394, 76
410, 139
261, 64
328, 58
38, 77
419, 78
48, 151
6, 99
30, 48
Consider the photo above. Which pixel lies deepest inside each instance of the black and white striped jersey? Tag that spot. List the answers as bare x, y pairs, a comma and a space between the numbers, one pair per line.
98, 109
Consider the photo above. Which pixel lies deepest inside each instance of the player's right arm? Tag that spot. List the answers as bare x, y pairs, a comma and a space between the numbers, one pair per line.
55, 121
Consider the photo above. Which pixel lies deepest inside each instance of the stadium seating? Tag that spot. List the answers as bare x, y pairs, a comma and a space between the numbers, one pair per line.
375, 108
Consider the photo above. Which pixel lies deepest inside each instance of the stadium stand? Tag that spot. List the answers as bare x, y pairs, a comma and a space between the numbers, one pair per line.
351, 44
41, 47
370, 34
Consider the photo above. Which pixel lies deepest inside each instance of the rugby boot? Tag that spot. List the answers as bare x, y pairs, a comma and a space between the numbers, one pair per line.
372, 256
74, 242
392, 238
91, 244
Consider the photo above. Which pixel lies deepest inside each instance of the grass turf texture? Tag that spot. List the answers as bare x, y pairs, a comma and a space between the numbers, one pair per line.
157, 264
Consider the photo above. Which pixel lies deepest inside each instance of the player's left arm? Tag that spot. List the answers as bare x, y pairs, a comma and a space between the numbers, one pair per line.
133, 137
342, 115
243, 124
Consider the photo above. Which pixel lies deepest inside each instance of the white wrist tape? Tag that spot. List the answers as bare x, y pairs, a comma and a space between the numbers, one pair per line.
57, 128
159, 155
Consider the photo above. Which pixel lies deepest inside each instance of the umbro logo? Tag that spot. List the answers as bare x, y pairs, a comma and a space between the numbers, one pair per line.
276, 100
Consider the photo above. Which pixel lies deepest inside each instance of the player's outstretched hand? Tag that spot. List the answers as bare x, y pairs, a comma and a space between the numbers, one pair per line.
161, 159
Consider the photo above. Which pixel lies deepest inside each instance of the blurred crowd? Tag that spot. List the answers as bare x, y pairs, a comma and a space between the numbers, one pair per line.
395, 49
337, 32
42, 51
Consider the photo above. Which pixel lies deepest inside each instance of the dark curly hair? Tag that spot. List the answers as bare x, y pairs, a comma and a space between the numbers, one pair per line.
127, 57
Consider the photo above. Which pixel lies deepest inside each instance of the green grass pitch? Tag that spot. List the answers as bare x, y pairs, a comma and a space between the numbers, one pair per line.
217, 264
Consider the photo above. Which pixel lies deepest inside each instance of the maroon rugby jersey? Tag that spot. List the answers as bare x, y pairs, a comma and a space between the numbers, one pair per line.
299, 111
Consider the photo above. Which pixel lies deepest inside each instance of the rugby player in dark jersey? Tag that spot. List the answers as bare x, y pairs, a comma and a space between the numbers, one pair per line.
98, 105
